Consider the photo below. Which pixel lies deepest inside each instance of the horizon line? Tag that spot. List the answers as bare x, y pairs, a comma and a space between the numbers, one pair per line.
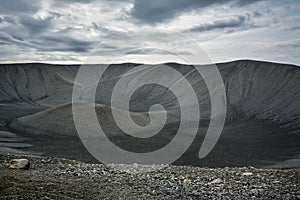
139, 63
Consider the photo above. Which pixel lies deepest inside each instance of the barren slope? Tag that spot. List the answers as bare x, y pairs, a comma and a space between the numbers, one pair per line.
263, 102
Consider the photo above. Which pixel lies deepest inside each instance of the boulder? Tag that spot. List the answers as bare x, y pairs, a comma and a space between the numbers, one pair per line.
19, 164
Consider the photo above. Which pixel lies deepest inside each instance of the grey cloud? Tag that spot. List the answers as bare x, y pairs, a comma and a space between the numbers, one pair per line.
64, 43
105, 31
34, 25
246, 2
19, 6
295, 45
290, 43
220, 24
66, 40
59, 38
7, 20
55, 14
65, 3
152, 12
14, 30
72, 1
156, 51
49, 43
257, 14
7, 39
293, 28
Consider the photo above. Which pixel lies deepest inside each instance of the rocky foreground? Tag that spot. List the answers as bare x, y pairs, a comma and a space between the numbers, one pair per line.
53, 178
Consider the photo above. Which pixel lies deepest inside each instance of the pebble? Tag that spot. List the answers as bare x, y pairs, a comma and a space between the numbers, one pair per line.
247, 173
216, 181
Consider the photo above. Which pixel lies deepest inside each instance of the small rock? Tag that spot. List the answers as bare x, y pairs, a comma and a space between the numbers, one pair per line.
247, 173
187, 181
46, 161
216, 181
276, 181
19, 164
196, 193
254, 191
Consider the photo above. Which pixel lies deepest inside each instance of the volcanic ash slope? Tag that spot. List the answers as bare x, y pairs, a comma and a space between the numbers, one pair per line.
58, 121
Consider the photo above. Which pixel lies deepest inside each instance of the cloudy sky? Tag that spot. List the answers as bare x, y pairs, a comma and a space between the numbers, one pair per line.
66, 31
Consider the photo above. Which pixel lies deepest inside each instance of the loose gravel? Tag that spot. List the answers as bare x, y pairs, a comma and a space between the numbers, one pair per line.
54, 178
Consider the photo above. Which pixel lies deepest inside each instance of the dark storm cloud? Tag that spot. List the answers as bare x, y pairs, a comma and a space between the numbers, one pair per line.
152, 12
221, 24
19, 6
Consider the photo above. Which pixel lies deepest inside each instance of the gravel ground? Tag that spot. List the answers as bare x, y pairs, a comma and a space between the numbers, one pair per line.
54, 178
